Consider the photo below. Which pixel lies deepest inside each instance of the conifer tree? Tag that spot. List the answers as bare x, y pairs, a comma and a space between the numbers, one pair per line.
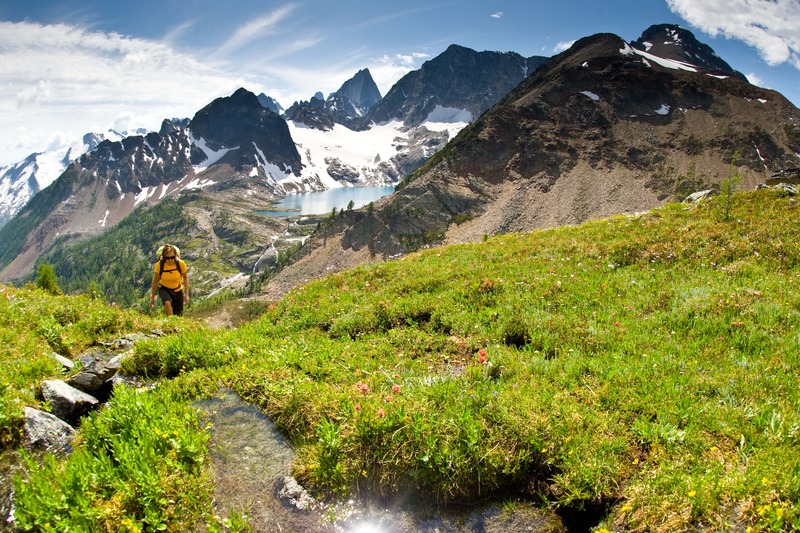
46, 279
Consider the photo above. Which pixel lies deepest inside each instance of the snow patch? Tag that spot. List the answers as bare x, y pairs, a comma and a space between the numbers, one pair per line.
663, 110
103, 220
591, 95
667, 63
212, 155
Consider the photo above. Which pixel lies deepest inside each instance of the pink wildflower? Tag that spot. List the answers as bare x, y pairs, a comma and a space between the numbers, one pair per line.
388, 398
363, 388
396, 388
482, 356
380, 413
358, 407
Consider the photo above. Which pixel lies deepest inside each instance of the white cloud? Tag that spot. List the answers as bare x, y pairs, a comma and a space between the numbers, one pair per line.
386, 70
59, 79
255, 29
563, 45
497, 15
770, 26
755, 79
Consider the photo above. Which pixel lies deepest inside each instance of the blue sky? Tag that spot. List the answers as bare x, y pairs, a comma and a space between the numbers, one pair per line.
69, 67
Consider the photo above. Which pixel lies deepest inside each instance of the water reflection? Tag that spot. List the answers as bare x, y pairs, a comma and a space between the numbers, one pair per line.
250, 464
323, 202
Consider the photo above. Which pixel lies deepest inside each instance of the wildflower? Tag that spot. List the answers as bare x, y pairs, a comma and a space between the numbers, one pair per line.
625, 508
482, 356
358, 407
380, 413
692, 493
363, 388
396, 388
388, 398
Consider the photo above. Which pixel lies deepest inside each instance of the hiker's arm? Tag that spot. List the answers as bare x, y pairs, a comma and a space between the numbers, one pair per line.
154, 288
185, 285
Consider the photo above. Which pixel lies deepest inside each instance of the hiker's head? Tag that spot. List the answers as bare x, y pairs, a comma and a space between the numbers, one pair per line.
168, 252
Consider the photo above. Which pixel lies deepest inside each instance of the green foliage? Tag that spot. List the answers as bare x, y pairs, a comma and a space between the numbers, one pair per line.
33, 325
46, 279
141, 465
647, 363
118, 264
728, 187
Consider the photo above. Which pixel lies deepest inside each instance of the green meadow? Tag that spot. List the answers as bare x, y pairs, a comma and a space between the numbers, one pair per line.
645, 366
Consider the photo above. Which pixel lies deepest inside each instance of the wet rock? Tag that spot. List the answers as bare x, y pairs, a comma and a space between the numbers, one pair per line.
69, 404
291, 491
47, 432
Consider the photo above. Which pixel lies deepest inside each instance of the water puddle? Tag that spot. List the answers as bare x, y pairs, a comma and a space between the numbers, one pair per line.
251, 462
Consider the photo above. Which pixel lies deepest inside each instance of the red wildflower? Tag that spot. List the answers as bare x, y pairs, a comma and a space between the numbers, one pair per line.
482, 356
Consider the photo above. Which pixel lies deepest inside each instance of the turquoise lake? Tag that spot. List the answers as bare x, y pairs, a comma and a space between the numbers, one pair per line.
322, 202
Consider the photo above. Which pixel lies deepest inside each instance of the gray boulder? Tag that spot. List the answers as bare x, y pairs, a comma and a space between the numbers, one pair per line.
68, 403
93, 376
47, 432
699, 196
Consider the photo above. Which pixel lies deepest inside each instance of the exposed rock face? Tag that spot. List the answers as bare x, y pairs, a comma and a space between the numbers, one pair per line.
670, 41
312, 116
270, 103
354, 99
788, 175
47, 432
256, 134
458, 78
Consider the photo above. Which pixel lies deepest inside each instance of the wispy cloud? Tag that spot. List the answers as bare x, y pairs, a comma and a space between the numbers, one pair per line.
497, 15
771, 27
81, 80
255, 29
563, 45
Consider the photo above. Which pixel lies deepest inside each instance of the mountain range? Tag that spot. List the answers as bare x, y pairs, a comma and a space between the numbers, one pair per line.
606, 127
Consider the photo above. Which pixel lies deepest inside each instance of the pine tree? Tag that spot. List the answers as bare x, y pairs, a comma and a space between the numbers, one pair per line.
47, 280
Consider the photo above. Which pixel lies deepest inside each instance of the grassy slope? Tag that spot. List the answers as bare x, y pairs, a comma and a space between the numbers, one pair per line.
643, 365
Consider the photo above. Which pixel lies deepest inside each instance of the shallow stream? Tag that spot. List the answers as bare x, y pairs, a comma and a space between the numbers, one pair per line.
251, 461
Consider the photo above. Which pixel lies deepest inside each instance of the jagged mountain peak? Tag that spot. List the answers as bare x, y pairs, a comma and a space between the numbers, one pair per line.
270, 103
252, 132
361, 90
457, 79
670, 41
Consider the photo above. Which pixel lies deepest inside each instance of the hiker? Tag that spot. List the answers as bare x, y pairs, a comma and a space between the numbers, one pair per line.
170, 280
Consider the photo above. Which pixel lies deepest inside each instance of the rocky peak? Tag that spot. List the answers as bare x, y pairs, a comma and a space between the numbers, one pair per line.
240, 121
458, 78
270, 103
670, 41
361, 90
311, 115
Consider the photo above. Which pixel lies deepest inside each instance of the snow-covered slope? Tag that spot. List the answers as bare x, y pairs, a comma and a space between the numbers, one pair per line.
20, 181
380, 155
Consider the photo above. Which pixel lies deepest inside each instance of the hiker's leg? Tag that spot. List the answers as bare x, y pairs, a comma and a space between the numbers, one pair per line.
166, 298
177, 303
